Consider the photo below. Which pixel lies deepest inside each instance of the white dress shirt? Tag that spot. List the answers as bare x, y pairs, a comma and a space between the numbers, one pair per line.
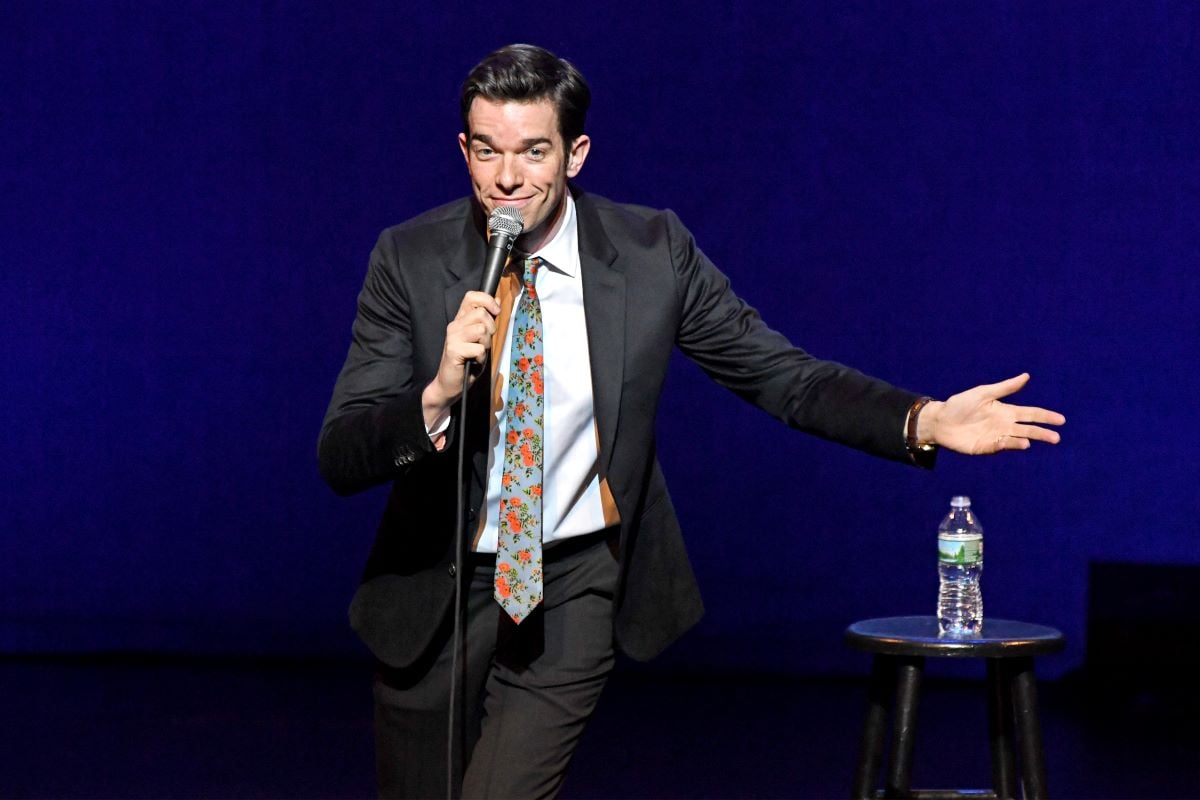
571, 504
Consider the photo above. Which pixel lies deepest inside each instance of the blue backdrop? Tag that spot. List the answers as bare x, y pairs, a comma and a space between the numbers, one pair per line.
941, 194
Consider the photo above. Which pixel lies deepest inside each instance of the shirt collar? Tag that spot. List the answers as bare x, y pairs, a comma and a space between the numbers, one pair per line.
562, 252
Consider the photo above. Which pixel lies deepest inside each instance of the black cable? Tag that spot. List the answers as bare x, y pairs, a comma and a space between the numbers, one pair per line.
504, 225
459, 577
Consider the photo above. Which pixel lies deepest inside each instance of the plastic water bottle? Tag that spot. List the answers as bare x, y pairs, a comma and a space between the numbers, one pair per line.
960, 564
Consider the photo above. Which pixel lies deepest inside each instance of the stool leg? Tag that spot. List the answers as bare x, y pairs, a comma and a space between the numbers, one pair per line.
1000, 730
909, 670
1029, 728
871, 750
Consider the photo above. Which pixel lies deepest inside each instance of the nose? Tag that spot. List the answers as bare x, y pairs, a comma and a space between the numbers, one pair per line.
509, 177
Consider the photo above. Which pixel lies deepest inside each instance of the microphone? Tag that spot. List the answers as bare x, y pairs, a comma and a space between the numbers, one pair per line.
505, 224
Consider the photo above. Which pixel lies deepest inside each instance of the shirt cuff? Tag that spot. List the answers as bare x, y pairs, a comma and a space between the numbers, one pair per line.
437, 431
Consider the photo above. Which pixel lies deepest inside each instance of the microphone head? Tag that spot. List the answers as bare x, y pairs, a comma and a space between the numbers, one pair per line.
506, 220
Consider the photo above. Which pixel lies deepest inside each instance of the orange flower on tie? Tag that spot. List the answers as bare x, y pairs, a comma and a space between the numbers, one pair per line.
502, 587
514, 522
526, 455
536, 491
519, 410
538, 359
506, 479
527, 433
512, 437
538, 386
523, 555
530, 336
523, 364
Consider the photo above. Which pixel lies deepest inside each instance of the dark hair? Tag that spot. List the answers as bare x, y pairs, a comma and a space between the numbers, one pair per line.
525, 74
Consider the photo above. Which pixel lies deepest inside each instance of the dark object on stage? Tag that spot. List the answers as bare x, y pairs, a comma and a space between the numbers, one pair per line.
1143, 625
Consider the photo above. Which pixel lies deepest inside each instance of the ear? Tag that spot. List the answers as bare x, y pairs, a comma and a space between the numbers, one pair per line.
578, 155
462, 145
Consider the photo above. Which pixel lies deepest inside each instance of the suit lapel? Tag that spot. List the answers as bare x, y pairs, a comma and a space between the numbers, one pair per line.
604, 310
465, 262
455, 291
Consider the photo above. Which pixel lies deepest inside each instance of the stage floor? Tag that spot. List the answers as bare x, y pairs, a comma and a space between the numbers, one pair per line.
173, 728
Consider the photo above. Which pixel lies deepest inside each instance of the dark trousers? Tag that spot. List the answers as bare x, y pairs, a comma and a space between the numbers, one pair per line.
527, 692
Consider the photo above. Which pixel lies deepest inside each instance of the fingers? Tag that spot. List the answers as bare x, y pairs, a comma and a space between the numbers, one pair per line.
1042, 416
1007, 387
478, 300
469, 334
468, 339
1032, 433
461, 352
475, 326
1004, 442
1021, 437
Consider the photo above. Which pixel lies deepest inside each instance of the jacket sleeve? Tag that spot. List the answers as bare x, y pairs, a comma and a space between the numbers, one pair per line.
731, 343
374, 429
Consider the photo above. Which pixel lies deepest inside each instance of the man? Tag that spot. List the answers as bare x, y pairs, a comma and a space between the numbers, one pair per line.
561, 476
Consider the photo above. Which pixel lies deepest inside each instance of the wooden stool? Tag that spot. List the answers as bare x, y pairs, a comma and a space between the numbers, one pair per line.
900, 646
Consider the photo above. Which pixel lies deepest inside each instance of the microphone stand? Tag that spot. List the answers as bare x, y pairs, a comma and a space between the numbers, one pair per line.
505, 225
456, 637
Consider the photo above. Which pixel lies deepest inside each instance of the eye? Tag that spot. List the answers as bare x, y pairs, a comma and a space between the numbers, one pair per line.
484, 152
537, 153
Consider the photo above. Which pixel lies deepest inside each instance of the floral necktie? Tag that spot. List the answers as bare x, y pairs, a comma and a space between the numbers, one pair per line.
519, 547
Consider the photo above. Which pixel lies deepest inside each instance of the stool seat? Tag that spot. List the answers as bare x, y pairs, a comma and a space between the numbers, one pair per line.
900, 646
918, 636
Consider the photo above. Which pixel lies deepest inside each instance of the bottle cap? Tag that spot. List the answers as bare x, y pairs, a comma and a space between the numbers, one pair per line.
960, 501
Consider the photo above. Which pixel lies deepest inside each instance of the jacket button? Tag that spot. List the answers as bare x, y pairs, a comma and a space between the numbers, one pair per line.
453, 571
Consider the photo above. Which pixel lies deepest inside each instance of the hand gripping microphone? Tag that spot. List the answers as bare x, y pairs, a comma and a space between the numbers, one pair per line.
504, 225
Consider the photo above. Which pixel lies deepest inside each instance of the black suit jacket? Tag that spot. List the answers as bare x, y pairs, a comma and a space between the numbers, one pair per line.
646, 289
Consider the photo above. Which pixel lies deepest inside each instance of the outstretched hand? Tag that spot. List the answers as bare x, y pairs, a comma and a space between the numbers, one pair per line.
976, 422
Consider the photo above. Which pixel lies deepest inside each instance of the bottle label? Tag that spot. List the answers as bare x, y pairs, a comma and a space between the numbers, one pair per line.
967, 553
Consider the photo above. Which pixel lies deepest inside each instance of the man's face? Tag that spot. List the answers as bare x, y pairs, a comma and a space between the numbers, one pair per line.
516, 157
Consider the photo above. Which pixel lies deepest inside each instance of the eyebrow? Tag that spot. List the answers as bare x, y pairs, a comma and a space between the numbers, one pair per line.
526, 143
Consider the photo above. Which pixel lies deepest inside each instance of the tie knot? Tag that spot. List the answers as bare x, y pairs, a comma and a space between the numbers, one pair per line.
531, 269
